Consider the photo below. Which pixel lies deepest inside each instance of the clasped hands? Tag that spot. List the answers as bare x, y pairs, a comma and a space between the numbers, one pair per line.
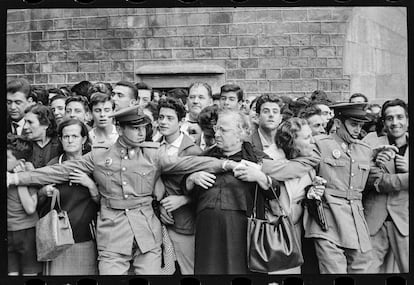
386, 153
244, 170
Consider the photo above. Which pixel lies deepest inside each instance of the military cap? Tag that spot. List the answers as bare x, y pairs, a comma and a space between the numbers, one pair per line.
133, 116
354, 111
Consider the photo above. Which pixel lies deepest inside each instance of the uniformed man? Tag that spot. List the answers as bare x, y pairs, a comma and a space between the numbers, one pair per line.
127, 229
345, 163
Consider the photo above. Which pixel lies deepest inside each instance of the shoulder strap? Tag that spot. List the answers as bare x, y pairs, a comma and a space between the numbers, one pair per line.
55, 198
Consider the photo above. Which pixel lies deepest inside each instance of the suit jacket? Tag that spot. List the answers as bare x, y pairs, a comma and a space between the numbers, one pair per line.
185, 215
388, 196
255, 140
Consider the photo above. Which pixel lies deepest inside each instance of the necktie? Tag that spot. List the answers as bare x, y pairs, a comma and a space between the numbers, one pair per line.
15, 126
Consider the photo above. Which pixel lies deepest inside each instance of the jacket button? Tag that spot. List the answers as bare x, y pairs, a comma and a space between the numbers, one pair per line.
351, 187
126, 210
125, 157
353, 160
126, 196
352, 174
124, 183
123, 168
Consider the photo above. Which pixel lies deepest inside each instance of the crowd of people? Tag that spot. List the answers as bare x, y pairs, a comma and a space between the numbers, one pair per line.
129, 161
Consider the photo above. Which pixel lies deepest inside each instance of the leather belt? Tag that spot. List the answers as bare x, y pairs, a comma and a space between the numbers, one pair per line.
123, 204
349, 194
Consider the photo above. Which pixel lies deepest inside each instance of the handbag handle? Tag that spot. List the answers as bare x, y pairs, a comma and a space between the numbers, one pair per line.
254, 212
55, 198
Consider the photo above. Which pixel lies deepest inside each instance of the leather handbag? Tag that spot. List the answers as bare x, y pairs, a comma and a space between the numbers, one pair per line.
53, 232
272, 244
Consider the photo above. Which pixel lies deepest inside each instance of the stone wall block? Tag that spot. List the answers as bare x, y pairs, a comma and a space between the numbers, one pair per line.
65, 67
18, 43
249, 63
290, 73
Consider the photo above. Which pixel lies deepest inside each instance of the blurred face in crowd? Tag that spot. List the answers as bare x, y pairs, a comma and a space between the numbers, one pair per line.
32, 128
326, 112
154, 123
316, 124
228, 101
76, 110
270, 116
194, 131
133, 135
101, 112
144, 96
156, 96
58, 109
245, 107
72, 140
168, 122
354, 127
253, 115
357, 99
304, 142
375, 110
197, 100
395, 121
227, 134
123, 97
16, 104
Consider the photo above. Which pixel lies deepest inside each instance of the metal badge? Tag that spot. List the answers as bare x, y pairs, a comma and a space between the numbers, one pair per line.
336, 153
108, 161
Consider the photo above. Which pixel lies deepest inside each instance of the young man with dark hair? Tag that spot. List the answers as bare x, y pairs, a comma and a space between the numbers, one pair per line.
176, 212
104, 133
231, 97
386, 201
145, 93
57, 105
124, 94
313, 116
18, 93
77, 107
268, 109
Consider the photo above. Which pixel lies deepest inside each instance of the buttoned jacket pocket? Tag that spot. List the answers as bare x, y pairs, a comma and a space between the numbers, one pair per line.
144, 180
334, 172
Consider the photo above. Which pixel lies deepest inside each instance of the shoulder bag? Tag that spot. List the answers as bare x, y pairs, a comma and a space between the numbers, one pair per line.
272, 245
53, 232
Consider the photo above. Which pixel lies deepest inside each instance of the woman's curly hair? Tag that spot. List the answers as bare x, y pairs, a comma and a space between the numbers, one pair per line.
286, 134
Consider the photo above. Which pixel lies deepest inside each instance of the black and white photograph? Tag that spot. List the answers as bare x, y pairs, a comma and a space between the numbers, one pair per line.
207, 141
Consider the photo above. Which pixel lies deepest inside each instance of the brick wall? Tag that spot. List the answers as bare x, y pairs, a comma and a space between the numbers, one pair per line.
290, 51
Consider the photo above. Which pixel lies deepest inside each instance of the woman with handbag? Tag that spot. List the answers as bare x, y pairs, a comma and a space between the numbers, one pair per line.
223, 201
79, 198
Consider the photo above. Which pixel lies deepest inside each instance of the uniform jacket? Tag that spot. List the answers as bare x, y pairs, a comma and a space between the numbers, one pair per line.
185, 215
388, 196
346, 169
125, 185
